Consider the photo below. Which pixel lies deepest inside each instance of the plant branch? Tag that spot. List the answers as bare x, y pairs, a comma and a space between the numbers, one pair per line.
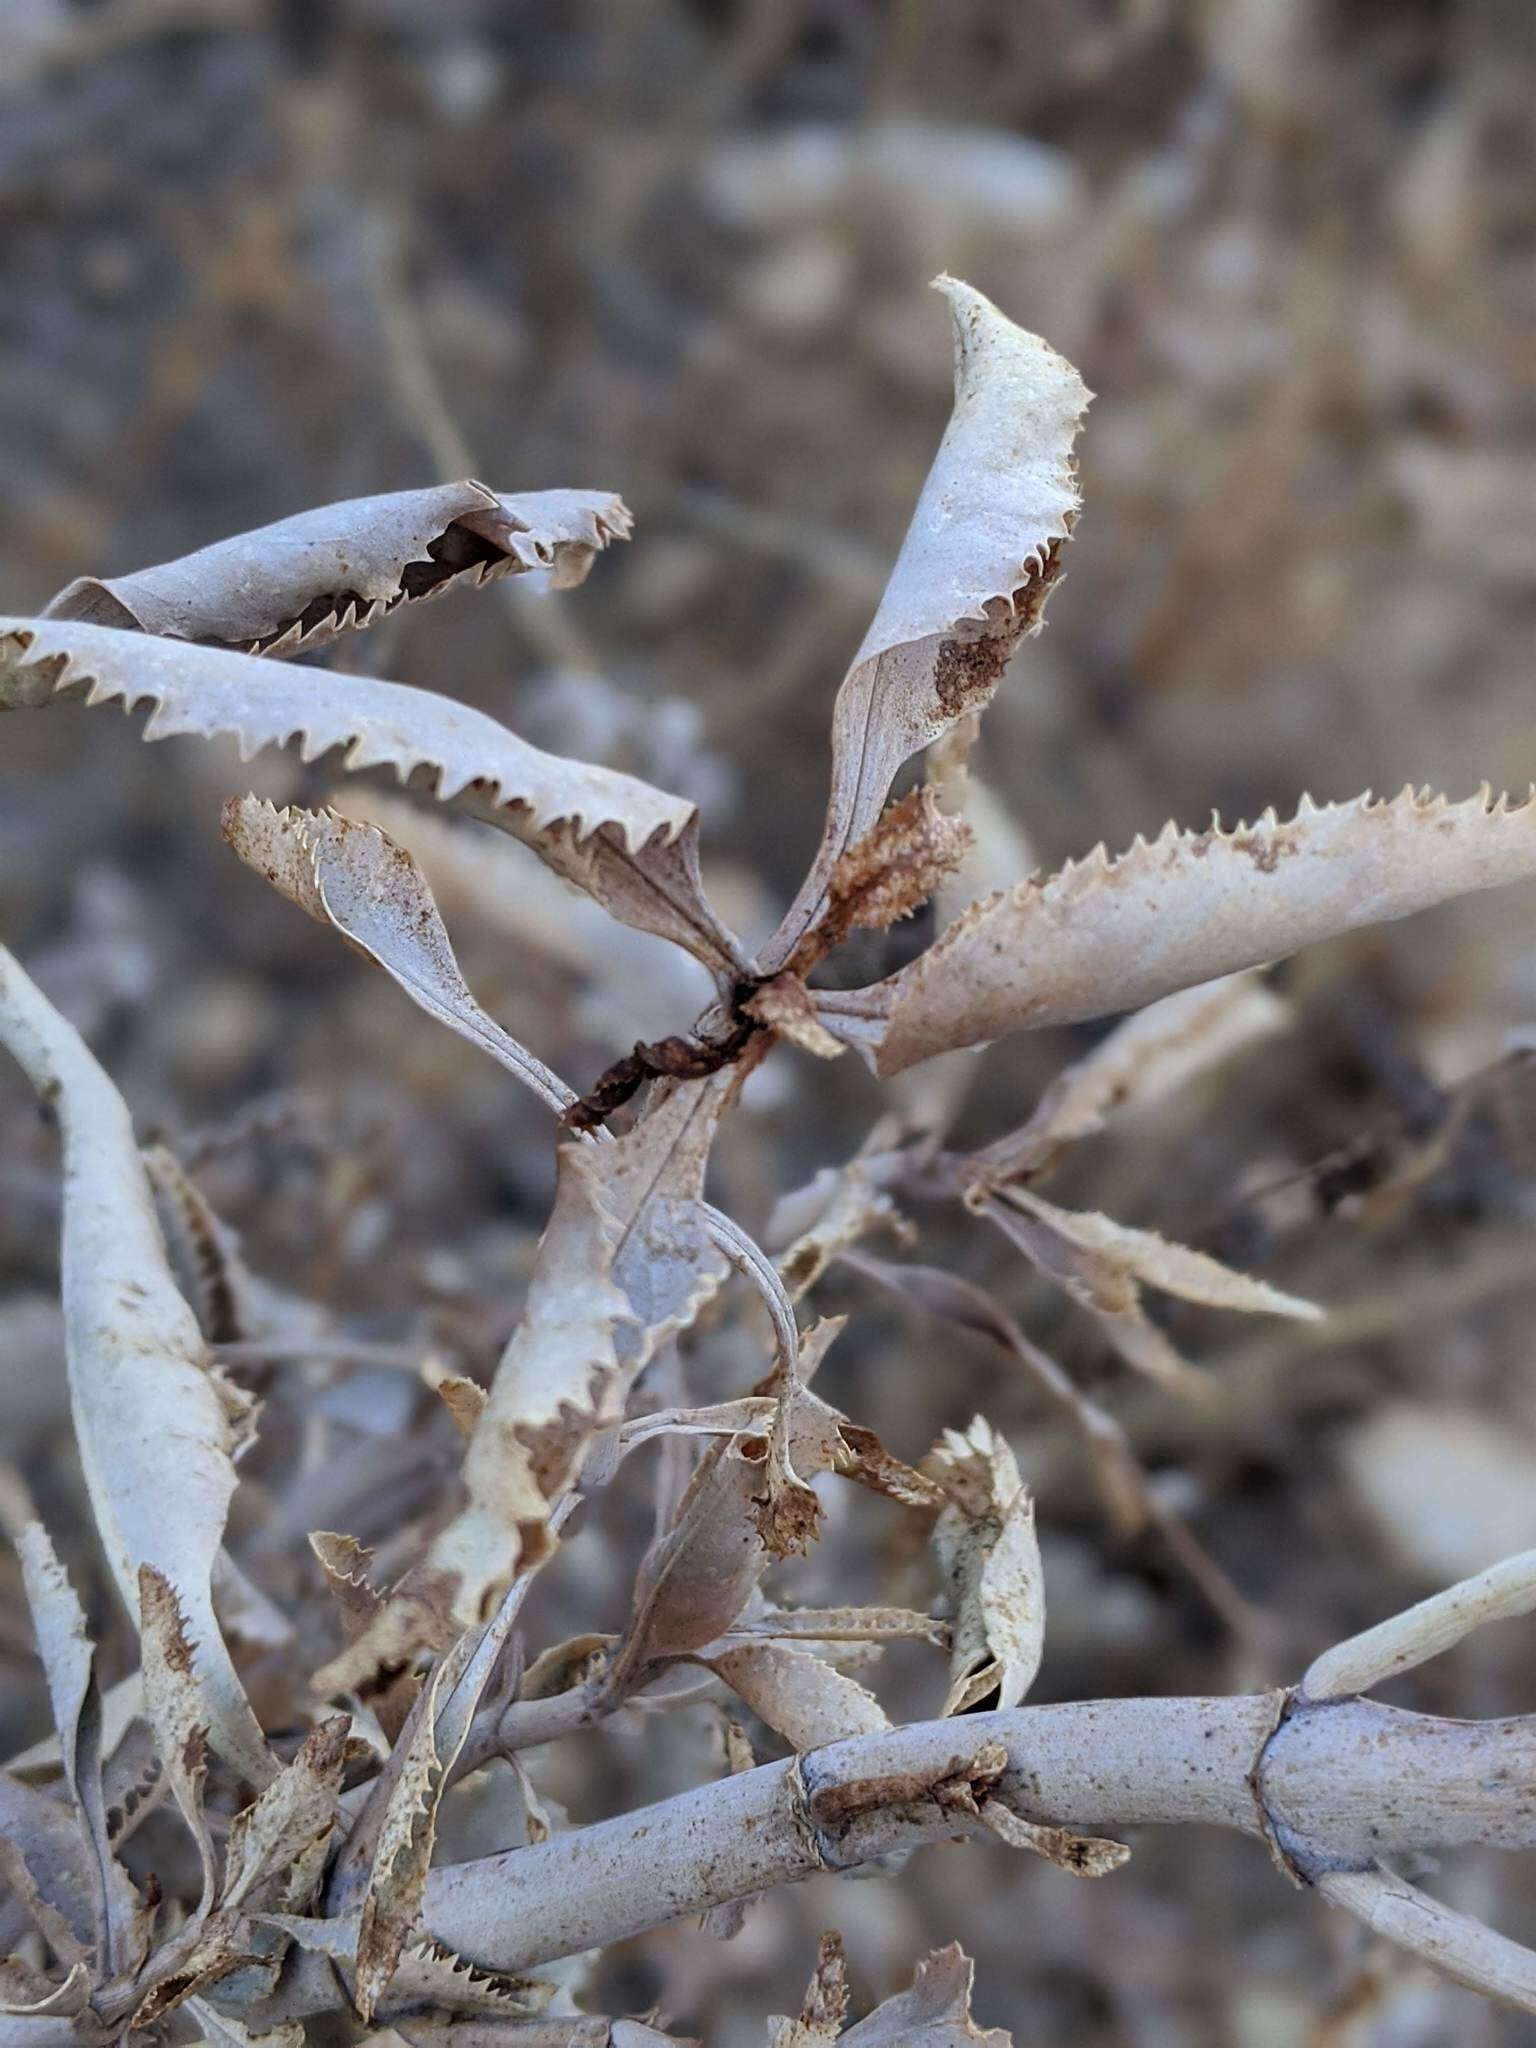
1331, 1787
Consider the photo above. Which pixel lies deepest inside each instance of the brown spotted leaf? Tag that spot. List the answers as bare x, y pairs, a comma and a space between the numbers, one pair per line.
173, 1702
296, 1811
291, 587
824, 2004
626, 1261
157, 1427
391, 1910
970, 581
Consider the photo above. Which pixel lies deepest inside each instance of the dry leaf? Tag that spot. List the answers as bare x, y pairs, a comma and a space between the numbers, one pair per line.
935, 2013
173, 1702
1143, 1061
1103, 935
1103, 1266
798, 1695
46, 1867
986, 1546
69, 1658
204, 1252
156, 1425
296, 1811
290, 587
631, 846
824, 2004
852, 1207
971, 579
355, 879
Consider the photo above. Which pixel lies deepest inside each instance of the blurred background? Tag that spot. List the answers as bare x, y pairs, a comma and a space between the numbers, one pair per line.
261, 254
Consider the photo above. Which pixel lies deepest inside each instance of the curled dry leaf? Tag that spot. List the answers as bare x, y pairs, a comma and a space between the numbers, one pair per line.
69, 1660
68, 1999
971, 579
204, 1251
626, 1261
156, 1426
631, 846
46, 1867
797, 1694
701, 1574
345, 1564
1141, 1062
429, 1973
296, 1812
1103, 1266
355, 879
1104, 935
391, 1908
291, 587
397, 1828
985, 1543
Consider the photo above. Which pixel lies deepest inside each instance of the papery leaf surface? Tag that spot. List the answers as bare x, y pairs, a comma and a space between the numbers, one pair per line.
631, 846
293, 586
157, 1426
356, 880
69, 1665
984, 1539
1105, 935
977, 564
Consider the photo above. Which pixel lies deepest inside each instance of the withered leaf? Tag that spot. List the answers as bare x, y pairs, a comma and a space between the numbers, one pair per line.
1141, 1062
824, 2004
971, 579
399, 1822
156, 1425
173, 1701
631, 846
355, 879
297, 1810
1104, 935
46, 1867
69, 1660
1103, 1266
984, 1539
290, 587
935, 2013
797, 1694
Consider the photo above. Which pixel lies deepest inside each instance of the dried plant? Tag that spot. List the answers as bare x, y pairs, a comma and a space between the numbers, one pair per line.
313, 1747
